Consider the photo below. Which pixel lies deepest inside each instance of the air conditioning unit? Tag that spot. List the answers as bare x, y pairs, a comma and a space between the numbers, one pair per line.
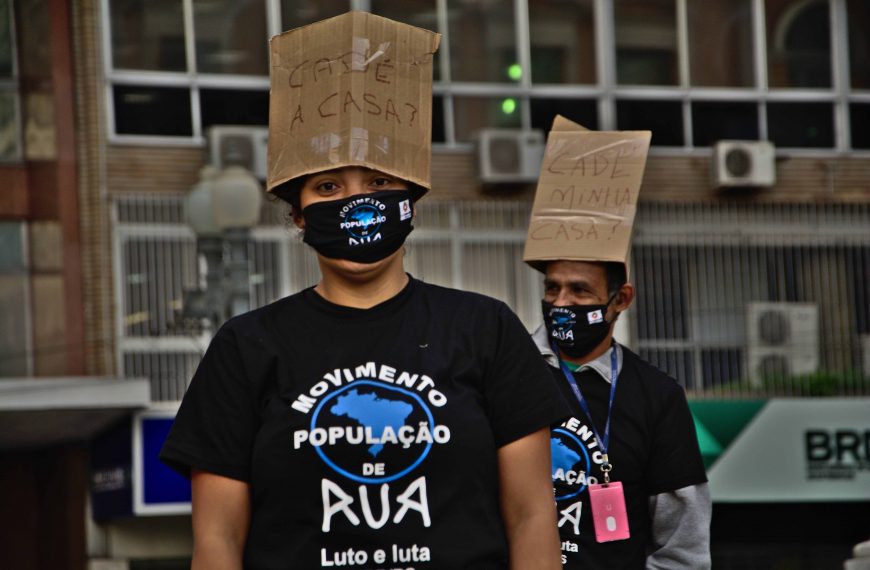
238, 145
782, 339
743, 164
509, 155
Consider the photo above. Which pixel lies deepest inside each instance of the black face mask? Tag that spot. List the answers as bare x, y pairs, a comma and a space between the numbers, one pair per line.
364, 227
576, 329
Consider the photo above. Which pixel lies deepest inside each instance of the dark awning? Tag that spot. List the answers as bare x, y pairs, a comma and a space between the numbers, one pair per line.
38, 412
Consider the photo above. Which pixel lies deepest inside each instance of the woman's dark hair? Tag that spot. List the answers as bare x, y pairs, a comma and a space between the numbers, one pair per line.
290, 192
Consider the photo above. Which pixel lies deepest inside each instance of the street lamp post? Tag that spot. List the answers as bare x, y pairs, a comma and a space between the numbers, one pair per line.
221, 209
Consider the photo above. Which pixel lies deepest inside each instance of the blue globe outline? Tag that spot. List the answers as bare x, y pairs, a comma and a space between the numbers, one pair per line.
562, 320
363, 232
360, 478
582, 448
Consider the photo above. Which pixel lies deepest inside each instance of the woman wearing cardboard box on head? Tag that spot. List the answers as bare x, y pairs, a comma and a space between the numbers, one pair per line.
373, 420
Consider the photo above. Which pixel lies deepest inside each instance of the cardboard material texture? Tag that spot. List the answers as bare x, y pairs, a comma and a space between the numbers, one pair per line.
586, 198
353, 90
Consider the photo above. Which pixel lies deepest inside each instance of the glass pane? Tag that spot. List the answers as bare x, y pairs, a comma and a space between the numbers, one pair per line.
231, 36
562, 41
9, 149
13, 320
859, 42
720, 43
801, 124
147, 34
646, 42
473, 113
663, 118
798, 43
713, 121
296, 13
583, 111
230, 107
32, 27
152, 111
483, 41
11, 248
438, 120
859, 118
420, 13
6, 38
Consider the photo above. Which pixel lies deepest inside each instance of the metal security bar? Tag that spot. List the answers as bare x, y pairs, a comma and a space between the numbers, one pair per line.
474, 246
755, 300
733, 300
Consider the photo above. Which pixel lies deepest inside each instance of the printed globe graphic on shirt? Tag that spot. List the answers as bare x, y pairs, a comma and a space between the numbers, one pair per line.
374, 432
362, 218
570, 462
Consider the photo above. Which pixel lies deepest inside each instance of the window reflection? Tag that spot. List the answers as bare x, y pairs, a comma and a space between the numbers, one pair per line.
420, 13
152, 110
230, 36
801, 125
148, 35
720, 43
296, 13
6, 68
798, 43
859, 43
474, 113
859, 115
663, 118
482, 41
714, 121
562, 37
646, 42
582, 111
8, 127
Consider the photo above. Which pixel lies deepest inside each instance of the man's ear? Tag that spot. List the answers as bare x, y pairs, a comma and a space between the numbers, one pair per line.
624, 297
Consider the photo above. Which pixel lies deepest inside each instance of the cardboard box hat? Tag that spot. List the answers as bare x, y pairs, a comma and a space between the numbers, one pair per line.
353, 90
586, 198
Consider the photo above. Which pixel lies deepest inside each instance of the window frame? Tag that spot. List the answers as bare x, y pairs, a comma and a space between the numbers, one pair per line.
605, 90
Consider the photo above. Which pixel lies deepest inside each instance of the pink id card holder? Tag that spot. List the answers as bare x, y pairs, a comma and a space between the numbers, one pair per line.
608, 512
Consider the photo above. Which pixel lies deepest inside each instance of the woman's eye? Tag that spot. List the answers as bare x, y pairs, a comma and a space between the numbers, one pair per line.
327, 187
381, 182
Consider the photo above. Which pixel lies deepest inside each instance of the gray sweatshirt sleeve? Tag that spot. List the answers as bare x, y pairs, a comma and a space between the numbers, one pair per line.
680, 529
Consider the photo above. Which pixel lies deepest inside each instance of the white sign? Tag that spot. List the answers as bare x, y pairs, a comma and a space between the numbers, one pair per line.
797, 450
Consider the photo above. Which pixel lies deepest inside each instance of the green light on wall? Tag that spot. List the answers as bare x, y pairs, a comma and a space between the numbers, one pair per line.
508, 106
515, 72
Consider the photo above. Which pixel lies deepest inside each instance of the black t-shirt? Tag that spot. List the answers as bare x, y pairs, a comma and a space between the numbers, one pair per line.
653, 449
368, 437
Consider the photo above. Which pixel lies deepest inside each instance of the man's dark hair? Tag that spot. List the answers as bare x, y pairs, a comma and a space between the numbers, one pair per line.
616, 276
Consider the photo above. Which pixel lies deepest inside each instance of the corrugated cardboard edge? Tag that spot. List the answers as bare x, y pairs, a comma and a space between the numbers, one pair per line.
540, 260
434, 44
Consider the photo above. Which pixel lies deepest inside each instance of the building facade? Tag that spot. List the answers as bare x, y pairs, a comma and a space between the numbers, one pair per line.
748, 291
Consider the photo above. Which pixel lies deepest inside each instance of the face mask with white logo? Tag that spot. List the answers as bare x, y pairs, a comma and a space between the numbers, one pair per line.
576, 329
364, 227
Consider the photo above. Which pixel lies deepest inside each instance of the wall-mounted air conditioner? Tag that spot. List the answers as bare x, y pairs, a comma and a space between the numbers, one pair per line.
743, 164
782, 339
238, 145
509, 155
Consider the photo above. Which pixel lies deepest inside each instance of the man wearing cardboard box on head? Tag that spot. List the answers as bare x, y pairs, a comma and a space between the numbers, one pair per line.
372, 420
629, 482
